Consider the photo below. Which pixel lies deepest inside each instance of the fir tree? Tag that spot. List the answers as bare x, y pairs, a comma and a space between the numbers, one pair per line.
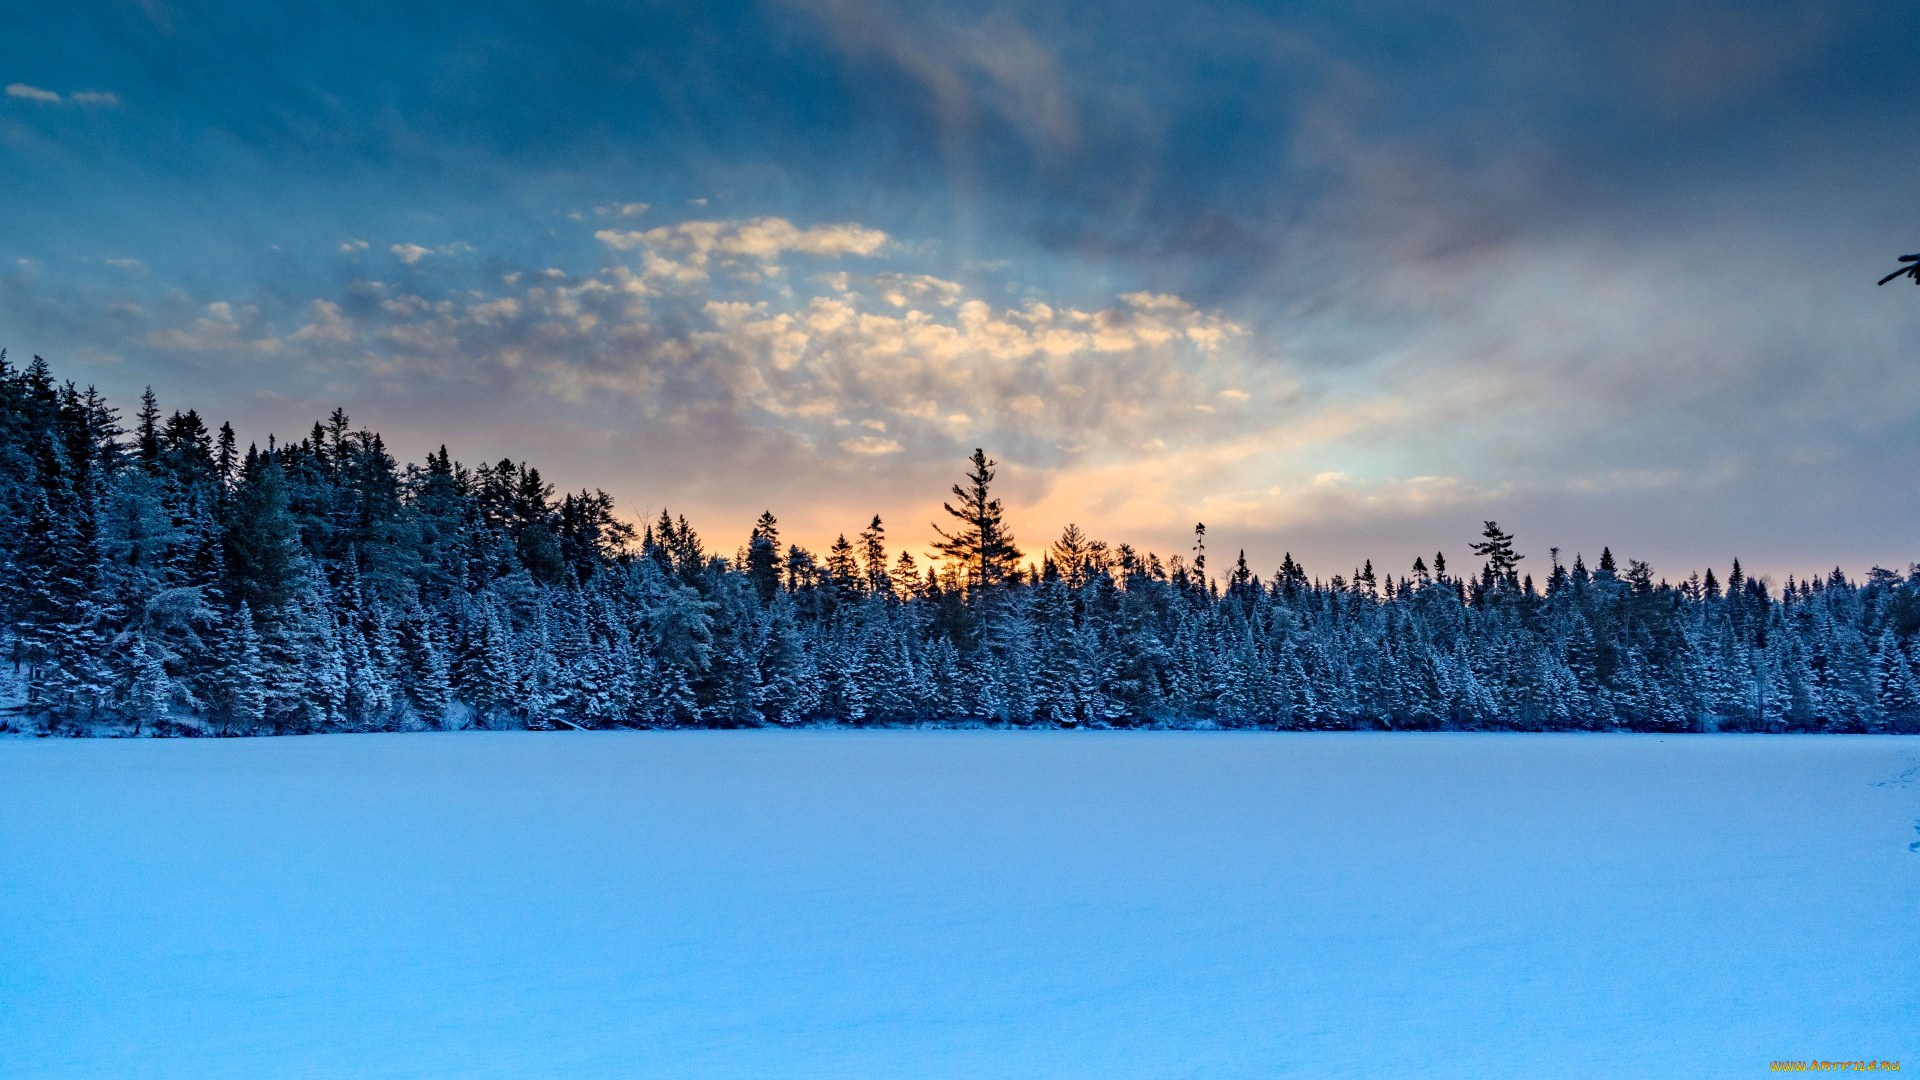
245, 675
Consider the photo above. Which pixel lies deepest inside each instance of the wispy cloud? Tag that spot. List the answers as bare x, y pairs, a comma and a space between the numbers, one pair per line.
50, 97
993, 66
31, 93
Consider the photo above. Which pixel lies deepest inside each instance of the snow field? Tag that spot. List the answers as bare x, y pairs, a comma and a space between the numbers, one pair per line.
909, 904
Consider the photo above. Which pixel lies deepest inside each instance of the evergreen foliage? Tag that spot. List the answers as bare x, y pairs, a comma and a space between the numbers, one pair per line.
161, 581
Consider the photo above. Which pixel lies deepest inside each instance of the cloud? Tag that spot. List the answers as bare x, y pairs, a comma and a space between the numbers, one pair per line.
913, 359
870, 445
902, 289
327, 326
764, 238
350, 246
995, 66
224, 328
413, 253
1550, 259
49, 97
31, 93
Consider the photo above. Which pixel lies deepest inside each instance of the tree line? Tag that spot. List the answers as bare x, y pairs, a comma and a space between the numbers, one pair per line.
155, 579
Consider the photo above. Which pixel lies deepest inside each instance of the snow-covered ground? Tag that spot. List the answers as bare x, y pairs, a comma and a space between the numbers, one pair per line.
956, 904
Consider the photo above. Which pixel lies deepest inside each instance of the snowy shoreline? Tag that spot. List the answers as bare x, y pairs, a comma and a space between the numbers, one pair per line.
177, 730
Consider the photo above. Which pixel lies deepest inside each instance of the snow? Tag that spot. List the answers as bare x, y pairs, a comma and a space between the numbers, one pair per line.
909, 904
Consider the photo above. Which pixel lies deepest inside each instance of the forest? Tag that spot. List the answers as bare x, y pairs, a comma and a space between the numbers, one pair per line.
158, 580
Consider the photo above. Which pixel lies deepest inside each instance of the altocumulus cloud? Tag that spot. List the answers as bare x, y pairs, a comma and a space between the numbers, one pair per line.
728, 357
769, 334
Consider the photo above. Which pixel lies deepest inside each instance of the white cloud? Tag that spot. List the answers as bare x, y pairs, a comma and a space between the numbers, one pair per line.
31, 93
625, 210
351, 246
621, 241
870, 445
909, 358
906, 368
222, 329
1146, 301
328, 325
49, 97
761, 238
903, 289
768, 237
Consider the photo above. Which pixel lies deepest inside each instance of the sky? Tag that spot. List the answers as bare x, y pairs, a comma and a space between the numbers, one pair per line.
1341, 280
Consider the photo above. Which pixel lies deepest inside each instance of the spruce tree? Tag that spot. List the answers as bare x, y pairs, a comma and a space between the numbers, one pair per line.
245, 676
263, 560
873, 557
150, 697
763, 556
844, 568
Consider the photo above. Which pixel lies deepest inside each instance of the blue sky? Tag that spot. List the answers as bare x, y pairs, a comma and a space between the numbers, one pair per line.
1336, 279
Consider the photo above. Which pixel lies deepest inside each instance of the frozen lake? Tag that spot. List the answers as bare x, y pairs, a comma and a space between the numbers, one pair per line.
956, 904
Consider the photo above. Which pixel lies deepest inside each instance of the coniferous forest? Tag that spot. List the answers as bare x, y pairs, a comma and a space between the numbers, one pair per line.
160, 580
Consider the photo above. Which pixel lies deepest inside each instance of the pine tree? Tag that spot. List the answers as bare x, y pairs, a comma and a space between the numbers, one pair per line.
1497, 549
982, 545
